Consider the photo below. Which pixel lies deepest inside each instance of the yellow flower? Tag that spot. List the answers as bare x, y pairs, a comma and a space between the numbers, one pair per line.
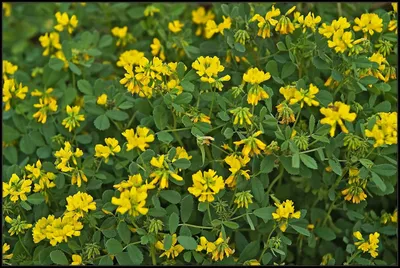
175, 26
76, 259
105, 151
102, 99
78, 205
181, 153
157, 49
252, 145
310, 21
200, 17
285, 25
140, 139
236, 164
368, 23
173, 251
255, 77
284, 211
226, 24
72, 121
212, 27
288, 92
252, 262
393, 218
130, 57
150, 10
329, 30
134, 181
264, 24
63, 163
162, 172
65, 22
355, 192
335, 114
45, 105
341, 41
208, 68
222, 249
17, 188
385, 129
305, 96
122, 35
8, 68
11, 90
50, 42
371, 245
205, 245
206, 185
60, 55
202, 118
286, 113
131, 201
7, 12
6, 247
393, 26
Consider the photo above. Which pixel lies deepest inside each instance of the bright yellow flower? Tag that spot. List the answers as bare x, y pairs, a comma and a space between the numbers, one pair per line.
264, 24
6, 247
369, 246
236, 164
305, 96
212, 27
102, 99
335, 114
208, 68
341, 41
206, 185
12, 90
254, 76
393, 26
173, 251
157, 49
130, 57
200, 17
8, 68
45, 105
181, 153
17, 188
206, 245
105, 151
134, 181
7, 12
284, 211
222, 249
202, 118
65, 22
329, 30
175, 26
50, 42
385, 129
285, 25
131, 201
150, 11
72, 121
140, 139
310, 21
162, 172
78, 205
368, 23
252, 145
122, 35
76, 259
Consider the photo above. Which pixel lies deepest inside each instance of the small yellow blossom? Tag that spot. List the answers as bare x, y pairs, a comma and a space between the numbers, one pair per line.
162, 172
50, 43
309, 21
222, 249
132, 201
264, 24
252, 145
206, 185
65, 22
368, 23
72, 121
78, 205
173, 251
105, 151
385, 129
130, 57
157, 49
200, 17
175, 26
305, 96
236, 163
76, 259
139, 139
12, 90
285, 25
6, 247
17, 188
8, 68
335, 114
7, 12
102, 99
284, 211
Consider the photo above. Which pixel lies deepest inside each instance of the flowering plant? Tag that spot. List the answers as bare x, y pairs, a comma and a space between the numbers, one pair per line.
251, 133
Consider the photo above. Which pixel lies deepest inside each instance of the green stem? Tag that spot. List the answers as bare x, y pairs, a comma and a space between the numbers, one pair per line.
312, 150
153, 256
212, 104
266, 247
195, 226
209, 212
134, 243
175, 130
130, 121
22, 244
222, 150
281, 170
238, 217
353, 257
329, 212
297, 119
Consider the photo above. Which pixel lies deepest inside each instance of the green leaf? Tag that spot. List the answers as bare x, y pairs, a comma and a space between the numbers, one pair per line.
225, 9
266, 258
171, 196
11, 154
384, 169
187, 242
117, 115
183, 98
378, 181
335, 165
56, 64
182, 163
231, 224
180, 69
281, 46
160, 115
258, 189
301, 230
264, 213
173, 222
106, 260
239, 47
124, 232
10, 134
42, 152
26, 145
136, 12
36, 199
311, 124
66, 48
187, 86
296, 160
308, 161
288, 69
368, 80
320, 64
250, 222
135, 254
102, 122
113, 246
267, 164
228, 133
325, 233
272, 68
85, 87
105, 41
75, 69
186, 208
58, 257
250, 251
165, 137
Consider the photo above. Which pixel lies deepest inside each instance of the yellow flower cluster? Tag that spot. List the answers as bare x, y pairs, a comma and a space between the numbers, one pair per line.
102, 99
255, 77
212, 27
206, 185
157, 49
105, 151
252, 145
175, 26
56, 230
17, 188
208, 68
43, 180
335, 114
78, 205
67, 162
64, 21
355, 188
139, 139
73, 118
218, 249
47, 103
369, 246
309, 21
236, 164
12, 90
173, 251
385, 129
368, 23
162, 172
50, 42
8, 68
293, 95
6, 247
18, 226
134, 181
284, 211
130, 57
123, 36
264, 24
201, 17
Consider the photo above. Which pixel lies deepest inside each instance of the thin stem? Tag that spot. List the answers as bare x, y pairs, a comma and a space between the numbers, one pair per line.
175, 130
312, 150
238, 217
195, 226
266, 247
212, 103
134, 243
222, 150
153, 256
297, 119
130, 121
329, 212
22, 244
353, 257
209, 212
275, 180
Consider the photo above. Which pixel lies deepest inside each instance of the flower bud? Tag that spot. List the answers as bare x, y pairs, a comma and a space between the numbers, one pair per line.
155, 226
